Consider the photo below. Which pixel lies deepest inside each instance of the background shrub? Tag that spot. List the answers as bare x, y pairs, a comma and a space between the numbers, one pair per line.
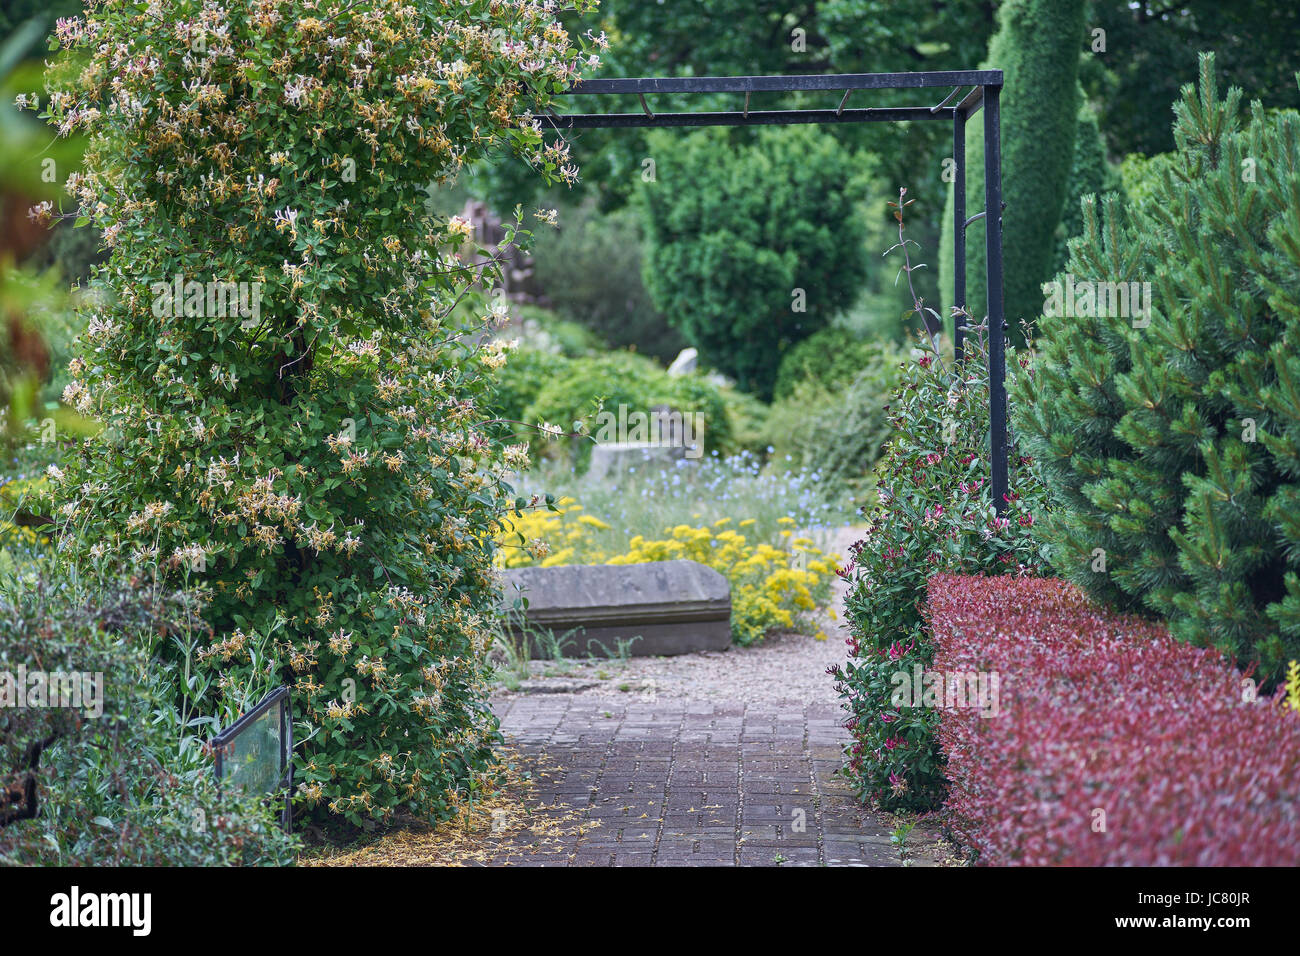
589, 269
518, 383
1102, 712
934, 514
1090, 175
1172, 452
733, 227
832, 358
838, 430
575, 391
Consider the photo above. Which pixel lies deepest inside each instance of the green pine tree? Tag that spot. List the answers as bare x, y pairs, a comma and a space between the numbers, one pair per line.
1170, 442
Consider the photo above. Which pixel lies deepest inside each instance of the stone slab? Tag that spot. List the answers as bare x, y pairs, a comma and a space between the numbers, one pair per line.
661, 607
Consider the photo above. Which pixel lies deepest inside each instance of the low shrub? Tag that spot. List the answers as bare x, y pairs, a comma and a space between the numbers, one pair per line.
1113, 744
121, 779
576, 391
541, 328
934, 514
838, 426
832, 358
747, 421
520, 380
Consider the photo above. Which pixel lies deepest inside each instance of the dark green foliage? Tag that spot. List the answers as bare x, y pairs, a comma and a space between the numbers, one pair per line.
590, 270
740, 235
1151, 51
832, 357
14, 13
1172, 450
1090, 175
1037, 48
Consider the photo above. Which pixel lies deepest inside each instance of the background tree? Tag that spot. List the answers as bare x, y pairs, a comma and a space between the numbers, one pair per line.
1150, 52
751, 248
1037, 48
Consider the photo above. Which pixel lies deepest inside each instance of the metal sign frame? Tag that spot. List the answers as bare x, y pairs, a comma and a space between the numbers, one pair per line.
224, 741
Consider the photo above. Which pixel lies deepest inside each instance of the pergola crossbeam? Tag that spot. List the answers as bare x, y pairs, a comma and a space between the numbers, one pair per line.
746, 118
788, 84
944, 102
969, 106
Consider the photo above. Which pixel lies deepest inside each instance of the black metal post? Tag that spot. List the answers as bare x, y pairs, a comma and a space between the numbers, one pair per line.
286, 761
997, 323
958, 228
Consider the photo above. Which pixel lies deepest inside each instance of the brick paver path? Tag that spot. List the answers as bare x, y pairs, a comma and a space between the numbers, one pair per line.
697, 783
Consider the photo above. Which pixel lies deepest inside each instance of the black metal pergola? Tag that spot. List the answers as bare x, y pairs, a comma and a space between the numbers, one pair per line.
969, 91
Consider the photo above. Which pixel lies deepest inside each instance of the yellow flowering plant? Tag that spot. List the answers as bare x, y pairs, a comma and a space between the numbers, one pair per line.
1292, 686
773, 585
294, 415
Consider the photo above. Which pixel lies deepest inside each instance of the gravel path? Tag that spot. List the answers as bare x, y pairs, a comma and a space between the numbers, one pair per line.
784, 667
710, 759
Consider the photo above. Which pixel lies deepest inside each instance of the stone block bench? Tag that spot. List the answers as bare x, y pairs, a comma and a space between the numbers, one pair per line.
661, 608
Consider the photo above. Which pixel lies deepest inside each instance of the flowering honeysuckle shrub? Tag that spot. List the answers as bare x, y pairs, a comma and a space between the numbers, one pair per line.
294, 421
934, 514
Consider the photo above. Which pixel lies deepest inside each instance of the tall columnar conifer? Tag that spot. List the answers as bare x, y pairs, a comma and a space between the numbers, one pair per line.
1037, 49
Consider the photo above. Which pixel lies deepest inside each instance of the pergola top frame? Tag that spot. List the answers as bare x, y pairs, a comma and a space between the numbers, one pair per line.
846, 83
789, 84
985, 89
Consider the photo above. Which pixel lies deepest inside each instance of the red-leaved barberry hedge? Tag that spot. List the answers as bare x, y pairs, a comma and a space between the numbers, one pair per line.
1113, 744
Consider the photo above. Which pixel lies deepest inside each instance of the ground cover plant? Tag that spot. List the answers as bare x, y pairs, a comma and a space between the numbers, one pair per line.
104, 768
1112, 744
